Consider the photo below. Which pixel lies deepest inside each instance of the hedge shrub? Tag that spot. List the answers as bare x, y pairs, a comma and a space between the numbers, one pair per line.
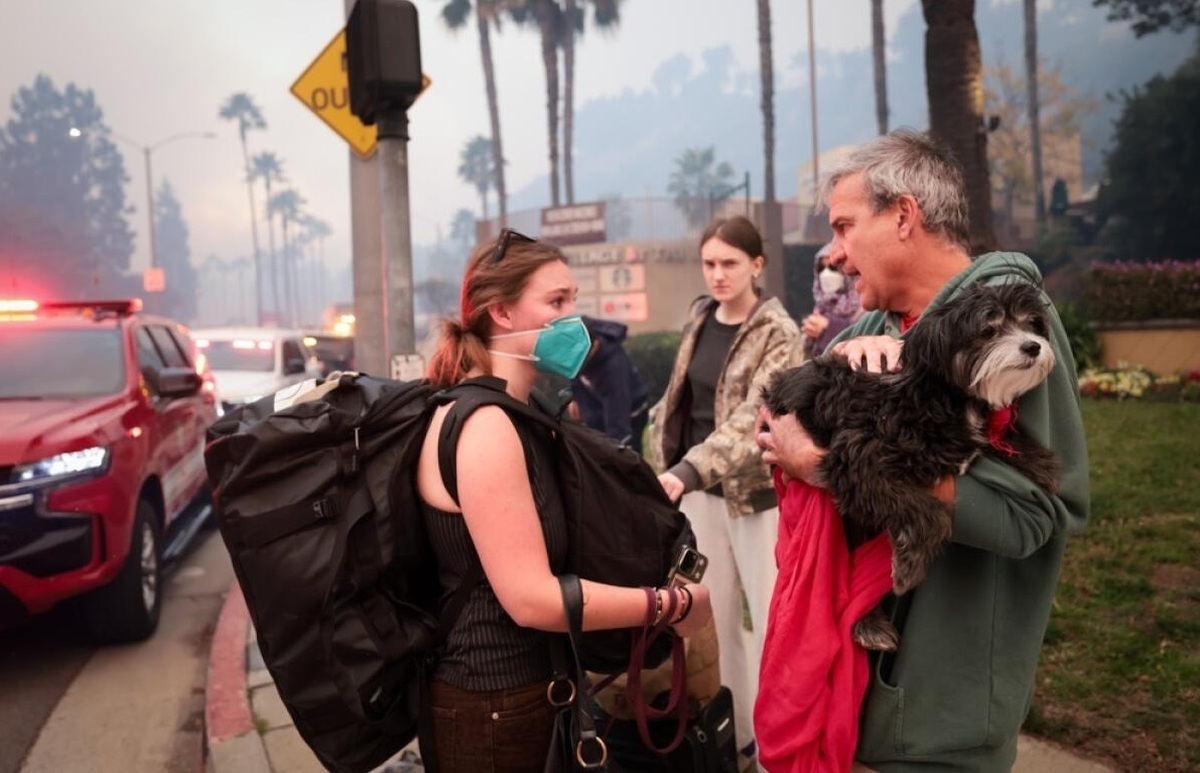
1134, 292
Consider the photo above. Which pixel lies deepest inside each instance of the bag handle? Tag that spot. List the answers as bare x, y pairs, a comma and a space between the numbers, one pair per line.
590, 750
677, 698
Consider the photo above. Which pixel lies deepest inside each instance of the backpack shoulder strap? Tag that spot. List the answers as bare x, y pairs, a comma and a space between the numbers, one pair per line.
467, 398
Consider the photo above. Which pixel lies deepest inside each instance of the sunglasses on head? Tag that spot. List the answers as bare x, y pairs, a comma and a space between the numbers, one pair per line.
507, 237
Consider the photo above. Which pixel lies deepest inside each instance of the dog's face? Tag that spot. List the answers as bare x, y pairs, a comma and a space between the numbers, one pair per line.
990, 341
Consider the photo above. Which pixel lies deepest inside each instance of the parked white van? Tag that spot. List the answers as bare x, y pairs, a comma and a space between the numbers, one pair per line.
252, 362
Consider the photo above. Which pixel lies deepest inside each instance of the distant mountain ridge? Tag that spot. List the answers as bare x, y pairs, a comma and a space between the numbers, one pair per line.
628, 144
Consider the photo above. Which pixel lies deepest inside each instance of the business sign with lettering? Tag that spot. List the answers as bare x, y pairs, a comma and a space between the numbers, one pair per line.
574, 224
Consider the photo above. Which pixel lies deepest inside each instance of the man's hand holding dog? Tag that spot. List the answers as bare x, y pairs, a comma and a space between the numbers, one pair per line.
874, 354
786, 445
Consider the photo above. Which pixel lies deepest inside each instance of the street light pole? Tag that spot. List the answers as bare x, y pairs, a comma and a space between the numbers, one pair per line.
150, 209
147, 151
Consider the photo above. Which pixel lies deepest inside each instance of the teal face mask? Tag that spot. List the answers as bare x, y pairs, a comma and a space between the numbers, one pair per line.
561, 346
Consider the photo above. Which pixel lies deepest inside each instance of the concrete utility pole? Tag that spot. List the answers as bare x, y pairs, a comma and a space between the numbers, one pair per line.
366, 262
396, 229
383, 57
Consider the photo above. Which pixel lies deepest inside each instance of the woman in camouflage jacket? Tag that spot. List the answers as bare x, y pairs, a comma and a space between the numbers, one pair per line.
702, 434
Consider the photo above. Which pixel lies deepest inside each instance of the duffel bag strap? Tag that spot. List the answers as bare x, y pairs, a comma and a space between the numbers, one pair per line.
256, 531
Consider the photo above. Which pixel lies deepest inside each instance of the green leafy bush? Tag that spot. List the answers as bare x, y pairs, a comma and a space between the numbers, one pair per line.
1133, 292
1085, 345
654, 355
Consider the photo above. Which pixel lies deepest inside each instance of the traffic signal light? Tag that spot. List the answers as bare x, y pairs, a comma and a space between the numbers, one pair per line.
383, 57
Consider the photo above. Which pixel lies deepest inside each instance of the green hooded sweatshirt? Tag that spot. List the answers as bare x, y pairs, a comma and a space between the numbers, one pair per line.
954, 695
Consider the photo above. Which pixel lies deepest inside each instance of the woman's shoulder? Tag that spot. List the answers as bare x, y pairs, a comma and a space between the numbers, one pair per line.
772, 314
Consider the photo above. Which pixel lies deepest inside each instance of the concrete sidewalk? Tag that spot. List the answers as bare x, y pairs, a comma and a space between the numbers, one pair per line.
248, 730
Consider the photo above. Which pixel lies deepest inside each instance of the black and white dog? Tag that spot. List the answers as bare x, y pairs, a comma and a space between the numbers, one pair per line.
891, 437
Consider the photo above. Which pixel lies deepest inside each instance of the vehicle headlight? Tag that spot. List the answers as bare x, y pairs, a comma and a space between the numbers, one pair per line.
62, 465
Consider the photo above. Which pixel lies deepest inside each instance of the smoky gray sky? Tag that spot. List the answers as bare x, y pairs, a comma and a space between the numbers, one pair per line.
161, 67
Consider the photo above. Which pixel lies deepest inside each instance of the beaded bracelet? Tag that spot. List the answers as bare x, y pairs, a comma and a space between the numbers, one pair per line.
658, 607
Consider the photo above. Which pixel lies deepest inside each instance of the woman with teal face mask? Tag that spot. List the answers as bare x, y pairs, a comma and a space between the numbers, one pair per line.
489, 694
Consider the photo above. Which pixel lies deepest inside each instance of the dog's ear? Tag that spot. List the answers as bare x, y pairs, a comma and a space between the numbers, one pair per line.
930, 345
1024, 301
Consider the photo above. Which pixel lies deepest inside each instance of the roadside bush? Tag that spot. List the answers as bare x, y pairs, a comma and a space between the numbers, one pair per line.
1133, 292
1085, 345
654, 355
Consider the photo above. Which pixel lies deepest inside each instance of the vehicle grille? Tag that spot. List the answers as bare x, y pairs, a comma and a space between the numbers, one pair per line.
44, 547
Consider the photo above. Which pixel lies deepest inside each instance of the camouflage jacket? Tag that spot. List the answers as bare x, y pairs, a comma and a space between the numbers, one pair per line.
768, 341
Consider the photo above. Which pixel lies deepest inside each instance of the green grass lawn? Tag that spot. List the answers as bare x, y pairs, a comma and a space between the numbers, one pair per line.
1120, 671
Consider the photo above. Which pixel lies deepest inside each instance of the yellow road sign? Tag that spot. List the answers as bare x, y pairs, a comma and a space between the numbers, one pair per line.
325, 88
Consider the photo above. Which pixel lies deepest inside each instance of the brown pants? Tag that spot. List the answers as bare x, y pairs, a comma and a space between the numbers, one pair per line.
503, 731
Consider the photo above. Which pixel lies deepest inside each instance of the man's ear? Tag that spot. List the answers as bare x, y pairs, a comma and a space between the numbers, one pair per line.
908, 215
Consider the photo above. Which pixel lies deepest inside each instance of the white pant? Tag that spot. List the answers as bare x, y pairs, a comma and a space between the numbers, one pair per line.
737, 549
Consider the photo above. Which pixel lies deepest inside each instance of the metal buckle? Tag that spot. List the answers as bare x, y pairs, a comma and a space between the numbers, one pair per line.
592, 765
550, 693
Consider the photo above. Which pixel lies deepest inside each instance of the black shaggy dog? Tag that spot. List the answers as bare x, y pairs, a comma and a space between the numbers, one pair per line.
891, 437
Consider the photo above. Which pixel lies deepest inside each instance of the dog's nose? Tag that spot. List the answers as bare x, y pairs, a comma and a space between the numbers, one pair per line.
1031, 348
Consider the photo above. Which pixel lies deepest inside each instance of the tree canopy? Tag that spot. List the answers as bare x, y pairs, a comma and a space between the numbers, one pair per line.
174, 255
1062, 110
1150, 16
1149, 196
63, 227
696, 177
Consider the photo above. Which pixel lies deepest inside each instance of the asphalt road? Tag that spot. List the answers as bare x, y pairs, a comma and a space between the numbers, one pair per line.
66, 706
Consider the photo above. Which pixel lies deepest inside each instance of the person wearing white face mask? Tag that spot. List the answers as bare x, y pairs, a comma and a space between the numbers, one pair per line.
836, 305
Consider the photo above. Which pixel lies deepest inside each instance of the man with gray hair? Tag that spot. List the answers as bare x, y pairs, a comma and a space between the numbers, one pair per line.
955, 693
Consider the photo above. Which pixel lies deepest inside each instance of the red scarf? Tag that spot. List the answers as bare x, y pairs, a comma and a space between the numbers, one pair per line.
813, 676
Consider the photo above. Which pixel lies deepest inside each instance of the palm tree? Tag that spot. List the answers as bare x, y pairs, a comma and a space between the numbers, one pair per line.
475, 168
1035, 126
767, 73
241, 108
549, 18
462, 228
268, 168
954, 85
694, 180
287, 204
317, 230
487, 15
606, 14
878, 48
550, 21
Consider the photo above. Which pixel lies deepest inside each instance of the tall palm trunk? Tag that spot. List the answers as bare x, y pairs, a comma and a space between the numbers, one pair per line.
547, 13
289, 310
569, 98
878, 48
767, 72
274, 268
1035, 128
954, 85
258, 278
489, 80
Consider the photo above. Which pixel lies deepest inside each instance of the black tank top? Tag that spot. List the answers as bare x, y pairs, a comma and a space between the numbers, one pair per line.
487, 650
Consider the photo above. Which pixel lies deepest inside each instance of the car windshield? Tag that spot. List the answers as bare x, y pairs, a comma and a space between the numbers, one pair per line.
43, 364
239, 355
